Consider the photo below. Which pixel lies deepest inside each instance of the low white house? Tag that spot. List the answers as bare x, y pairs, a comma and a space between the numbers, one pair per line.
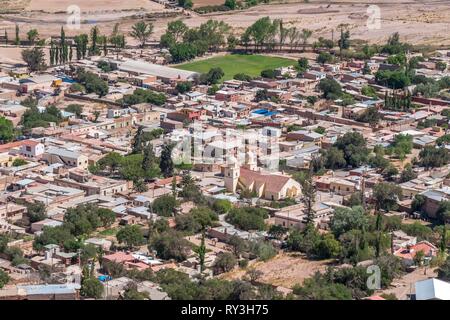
31, 148
432, 289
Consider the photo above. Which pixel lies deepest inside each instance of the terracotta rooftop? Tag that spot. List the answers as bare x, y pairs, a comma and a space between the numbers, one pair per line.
273, 183
119, 257
409, 253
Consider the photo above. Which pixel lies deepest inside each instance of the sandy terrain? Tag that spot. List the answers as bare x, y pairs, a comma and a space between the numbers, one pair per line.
48, 16
294, 269
10, 55
417, 21
89, 5
13, 5
202, 3
13, 55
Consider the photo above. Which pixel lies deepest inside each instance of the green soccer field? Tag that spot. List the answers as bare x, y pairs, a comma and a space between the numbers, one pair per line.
238, 63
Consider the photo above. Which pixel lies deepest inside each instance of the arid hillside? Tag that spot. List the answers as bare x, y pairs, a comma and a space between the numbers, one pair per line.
417, 21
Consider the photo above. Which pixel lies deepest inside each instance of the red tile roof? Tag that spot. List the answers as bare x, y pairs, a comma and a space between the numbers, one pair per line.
273, 183
409, 253
119, 257
30, 143
167, 181
137, 265
7, 146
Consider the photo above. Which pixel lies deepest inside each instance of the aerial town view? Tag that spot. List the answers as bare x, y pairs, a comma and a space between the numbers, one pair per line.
224, 150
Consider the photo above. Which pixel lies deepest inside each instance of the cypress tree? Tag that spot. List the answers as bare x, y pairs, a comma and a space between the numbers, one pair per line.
149, 157
56, 56
201, 251
17, 41
166, 163
52, 54
138, 141
378, 240
63, 36
94, 39
65, 53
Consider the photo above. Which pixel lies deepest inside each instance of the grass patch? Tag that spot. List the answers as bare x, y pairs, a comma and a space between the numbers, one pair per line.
109, 232
232, 64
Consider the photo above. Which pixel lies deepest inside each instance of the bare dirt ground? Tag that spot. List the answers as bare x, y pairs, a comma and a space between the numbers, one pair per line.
89, 5
10, 55
284, 270
10, 5
47, 16
13, 55
417, 21
85, 5
216, 247
404, 286
202, 3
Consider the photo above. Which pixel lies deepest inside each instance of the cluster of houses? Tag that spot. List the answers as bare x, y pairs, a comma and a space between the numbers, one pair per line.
239, 146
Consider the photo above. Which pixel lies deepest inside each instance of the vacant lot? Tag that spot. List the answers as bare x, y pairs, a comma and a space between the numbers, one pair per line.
85, 5
285, 270
238, 63
11, 6
203, 3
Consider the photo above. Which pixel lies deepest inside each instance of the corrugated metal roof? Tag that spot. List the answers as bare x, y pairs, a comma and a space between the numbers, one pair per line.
143, 67
50, 288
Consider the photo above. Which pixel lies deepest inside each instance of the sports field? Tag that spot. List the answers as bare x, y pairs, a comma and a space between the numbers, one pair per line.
238, 63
